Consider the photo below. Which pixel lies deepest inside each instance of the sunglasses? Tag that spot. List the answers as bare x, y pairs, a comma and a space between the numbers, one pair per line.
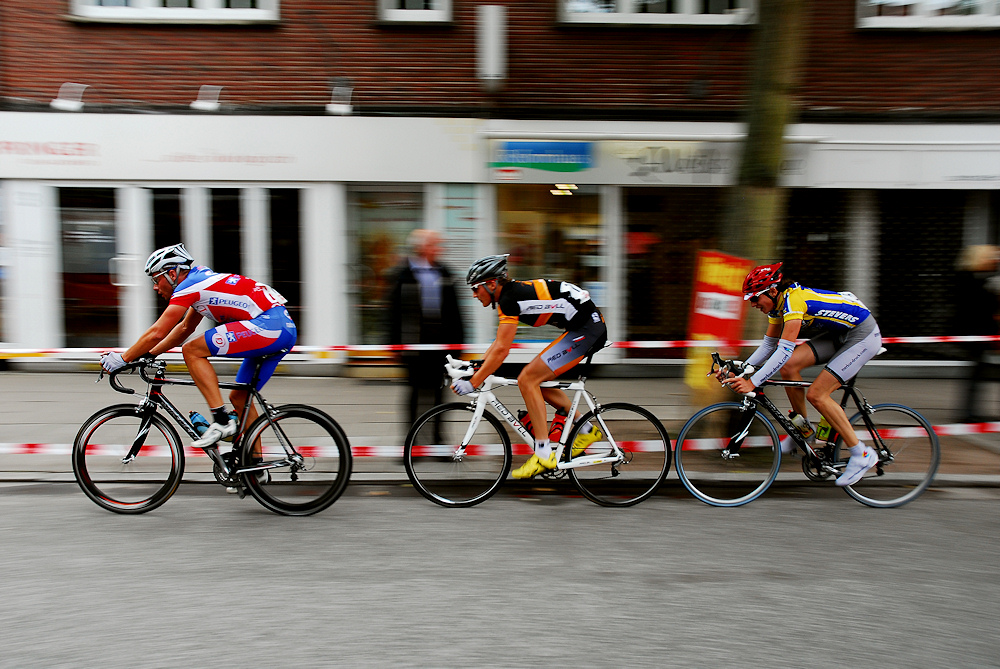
476, 286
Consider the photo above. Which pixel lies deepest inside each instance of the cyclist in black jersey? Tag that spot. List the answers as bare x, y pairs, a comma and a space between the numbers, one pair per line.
536, 303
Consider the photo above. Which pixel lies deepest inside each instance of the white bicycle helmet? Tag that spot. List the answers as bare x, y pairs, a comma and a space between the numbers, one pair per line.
168, 257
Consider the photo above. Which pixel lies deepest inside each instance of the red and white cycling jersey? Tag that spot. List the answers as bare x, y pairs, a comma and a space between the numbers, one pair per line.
224, 298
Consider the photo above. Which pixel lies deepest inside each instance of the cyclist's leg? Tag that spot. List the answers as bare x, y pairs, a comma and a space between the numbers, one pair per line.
529, 383
271, 334
859, 345
196, 353
804, 355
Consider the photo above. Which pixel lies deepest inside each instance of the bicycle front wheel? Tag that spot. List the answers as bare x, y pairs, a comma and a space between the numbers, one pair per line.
734, 478
114, 480
308, 460
445, 473
907, 465
645, 444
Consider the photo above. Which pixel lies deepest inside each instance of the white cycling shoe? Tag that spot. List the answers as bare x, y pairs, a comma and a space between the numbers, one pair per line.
215, 432
857, 465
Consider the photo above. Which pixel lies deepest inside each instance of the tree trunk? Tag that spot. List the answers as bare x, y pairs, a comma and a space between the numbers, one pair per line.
754, 221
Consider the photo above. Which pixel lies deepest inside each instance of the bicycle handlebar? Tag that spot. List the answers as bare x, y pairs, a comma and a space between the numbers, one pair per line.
739, 368
141, 364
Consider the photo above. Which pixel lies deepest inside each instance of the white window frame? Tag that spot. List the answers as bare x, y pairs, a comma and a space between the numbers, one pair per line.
924, 17
690, 14
153, 11
387, 11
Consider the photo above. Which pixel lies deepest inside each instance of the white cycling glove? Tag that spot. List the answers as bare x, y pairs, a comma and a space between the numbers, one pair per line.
462, 387
111, 361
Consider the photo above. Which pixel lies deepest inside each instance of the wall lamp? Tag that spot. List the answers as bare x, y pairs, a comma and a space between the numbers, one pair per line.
340, 102
70, 97
208, 99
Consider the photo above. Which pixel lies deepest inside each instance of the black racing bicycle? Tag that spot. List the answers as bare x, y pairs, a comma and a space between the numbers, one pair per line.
729, 453
293, 459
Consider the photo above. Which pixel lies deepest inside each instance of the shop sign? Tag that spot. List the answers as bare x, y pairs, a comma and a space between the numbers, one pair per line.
717, 310
546, 156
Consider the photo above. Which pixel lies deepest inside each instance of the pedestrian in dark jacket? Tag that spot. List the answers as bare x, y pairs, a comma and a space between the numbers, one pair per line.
423, 309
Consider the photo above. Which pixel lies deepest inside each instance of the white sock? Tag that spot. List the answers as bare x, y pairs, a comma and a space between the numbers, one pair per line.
543, 449
859, 449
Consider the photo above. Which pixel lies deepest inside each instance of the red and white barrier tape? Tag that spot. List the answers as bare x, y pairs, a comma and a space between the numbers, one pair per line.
386, 451
360, 348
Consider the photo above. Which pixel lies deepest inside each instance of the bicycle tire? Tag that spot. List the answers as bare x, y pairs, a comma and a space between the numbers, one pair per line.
326, 468
719, 481
137, 486
916, 454
439, 473
647, 451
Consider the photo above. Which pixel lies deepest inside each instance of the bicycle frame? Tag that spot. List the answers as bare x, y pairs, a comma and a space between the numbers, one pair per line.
156, 398
850, 392
485, 396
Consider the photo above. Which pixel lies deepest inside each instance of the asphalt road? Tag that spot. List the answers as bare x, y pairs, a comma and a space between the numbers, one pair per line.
384, 578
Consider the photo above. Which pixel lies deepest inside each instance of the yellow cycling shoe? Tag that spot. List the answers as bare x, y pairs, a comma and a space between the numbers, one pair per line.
586, 439
534, 466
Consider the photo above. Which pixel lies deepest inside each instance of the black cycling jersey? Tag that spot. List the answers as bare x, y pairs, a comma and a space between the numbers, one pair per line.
547, 302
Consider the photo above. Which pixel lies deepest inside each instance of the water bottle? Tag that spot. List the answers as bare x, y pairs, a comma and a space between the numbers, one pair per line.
525, 420
825, 431
556, 428
803, 424
199, 422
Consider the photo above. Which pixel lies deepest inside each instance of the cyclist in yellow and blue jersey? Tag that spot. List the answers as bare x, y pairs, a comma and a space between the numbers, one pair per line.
841, 334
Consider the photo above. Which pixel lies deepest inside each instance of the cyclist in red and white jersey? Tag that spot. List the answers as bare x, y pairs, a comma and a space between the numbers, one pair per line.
536, 303
253, 323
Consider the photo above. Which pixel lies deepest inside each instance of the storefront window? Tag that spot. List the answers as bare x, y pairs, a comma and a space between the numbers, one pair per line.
554, 237
286, 275
226, 231
166, 217
665, 228
90, 300
380, 221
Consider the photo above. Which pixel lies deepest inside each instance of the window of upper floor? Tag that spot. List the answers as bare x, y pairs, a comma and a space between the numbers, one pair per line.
663, 12
414, 11
929, 14
176, 11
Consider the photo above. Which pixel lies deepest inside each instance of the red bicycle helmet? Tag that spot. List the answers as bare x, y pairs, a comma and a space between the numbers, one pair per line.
760, 279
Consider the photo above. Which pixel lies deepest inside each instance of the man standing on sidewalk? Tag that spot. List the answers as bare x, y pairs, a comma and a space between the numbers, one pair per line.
423, 309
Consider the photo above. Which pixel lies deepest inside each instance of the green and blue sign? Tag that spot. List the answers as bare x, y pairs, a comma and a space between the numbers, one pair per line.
549, 156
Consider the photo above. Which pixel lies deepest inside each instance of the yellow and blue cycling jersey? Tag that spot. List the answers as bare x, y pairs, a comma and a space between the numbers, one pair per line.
819, 309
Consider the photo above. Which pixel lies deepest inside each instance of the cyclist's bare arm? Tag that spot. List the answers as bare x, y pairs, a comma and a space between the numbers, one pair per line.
149, 340
496, 353
179, 334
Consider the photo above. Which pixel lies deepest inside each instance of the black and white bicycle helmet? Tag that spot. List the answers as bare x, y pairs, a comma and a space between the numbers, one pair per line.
489, 267
168, 257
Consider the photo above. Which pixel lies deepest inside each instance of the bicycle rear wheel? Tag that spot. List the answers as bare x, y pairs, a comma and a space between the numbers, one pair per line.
727, 481
645, 442
440, 472
906, 470
118, 483
309, 480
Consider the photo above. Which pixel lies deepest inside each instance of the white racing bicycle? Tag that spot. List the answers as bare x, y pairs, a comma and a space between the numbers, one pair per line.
458, 454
